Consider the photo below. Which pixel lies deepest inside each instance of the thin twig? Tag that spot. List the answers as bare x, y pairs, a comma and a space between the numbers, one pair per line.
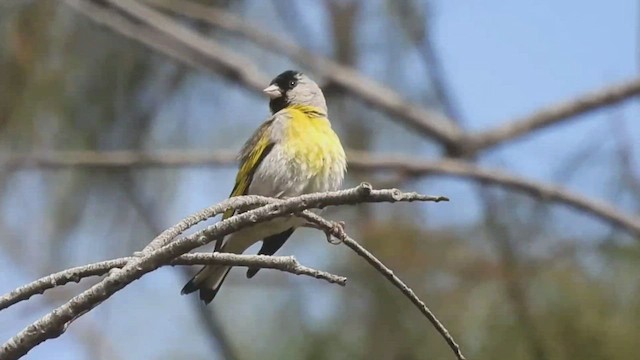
512, 275
417, 24
625, 151
339, 233
75, 274
163, 250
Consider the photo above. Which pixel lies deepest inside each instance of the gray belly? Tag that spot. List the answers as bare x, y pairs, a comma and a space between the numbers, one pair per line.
280, 175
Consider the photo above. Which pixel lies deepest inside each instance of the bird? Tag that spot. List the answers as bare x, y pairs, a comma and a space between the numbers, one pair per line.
294, 152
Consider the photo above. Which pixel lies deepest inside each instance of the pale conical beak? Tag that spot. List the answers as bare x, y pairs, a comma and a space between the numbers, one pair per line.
272, 91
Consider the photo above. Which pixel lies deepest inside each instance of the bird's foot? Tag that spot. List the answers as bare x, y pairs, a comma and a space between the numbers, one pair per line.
338, 228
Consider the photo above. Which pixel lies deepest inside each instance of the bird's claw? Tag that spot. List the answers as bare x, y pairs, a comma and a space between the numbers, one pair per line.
338, 227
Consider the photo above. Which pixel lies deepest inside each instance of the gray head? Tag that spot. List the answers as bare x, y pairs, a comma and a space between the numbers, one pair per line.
294, 88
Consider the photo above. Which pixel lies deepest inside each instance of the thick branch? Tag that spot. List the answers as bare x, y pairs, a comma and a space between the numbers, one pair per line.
283, 263
54, 324
338, 232
358, 161
553, 115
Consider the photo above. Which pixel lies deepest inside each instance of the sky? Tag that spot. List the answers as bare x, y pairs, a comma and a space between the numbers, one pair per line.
502, 59
539, 53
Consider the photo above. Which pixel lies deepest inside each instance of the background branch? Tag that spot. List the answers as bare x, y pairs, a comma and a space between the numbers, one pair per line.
358, 161
91, 74
427, 122
188, 46
554, 115
369, 91
161, 43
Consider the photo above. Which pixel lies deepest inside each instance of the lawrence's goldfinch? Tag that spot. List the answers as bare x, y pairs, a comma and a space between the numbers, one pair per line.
294, 152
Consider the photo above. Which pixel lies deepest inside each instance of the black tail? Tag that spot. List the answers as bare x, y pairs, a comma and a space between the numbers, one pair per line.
208, 283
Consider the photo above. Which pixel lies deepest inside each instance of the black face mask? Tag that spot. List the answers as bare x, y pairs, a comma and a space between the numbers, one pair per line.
285, 81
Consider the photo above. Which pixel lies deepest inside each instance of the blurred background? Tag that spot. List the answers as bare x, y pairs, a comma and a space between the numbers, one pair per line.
92, 94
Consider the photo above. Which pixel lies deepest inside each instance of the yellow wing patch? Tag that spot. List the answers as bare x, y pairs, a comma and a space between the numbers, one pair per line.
253, 152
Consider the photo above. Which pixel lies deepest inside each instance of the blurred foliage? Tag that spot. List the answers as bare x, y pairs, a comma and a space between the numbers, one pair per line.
508, 286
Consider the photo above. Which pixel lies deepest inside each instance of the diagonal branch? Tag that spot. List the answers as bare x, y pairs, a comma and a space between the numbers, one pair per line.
214, 332
165, 35
427, 122
544, 191
221, 60
282, 263
163, 250
191, 49
338, 232
553, 115
418, 118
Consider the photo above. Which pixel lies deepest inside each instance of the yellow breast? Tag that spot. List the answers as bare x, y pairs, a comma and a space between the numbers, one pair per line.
312, 143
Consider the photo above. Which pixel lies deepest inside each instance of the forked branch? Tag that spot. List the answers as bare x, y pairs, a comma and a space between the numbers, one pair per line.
165, 249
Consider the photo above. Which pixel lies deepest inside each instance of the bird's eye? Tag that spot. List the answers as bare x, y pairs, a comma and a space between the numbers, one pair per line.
292, 83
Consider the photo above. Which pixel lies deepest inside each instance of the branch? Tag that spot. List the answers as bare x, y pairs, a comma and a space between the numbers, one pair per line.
370, 91
117, 159
162, 251
496, 220
90, 332
358, 161
338, 232
167, 36
553, 115
418, 28
426, 122
219, 59
75, 274
213, 331
543, 191
175, 41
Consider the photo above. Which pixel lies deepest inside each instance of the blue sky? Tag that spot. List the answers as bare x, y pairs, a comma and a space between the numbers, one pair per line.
506, 58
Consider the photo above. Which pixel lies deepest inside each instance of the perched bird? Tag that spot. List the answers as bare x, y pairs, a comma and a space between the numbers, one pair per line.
294, 152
